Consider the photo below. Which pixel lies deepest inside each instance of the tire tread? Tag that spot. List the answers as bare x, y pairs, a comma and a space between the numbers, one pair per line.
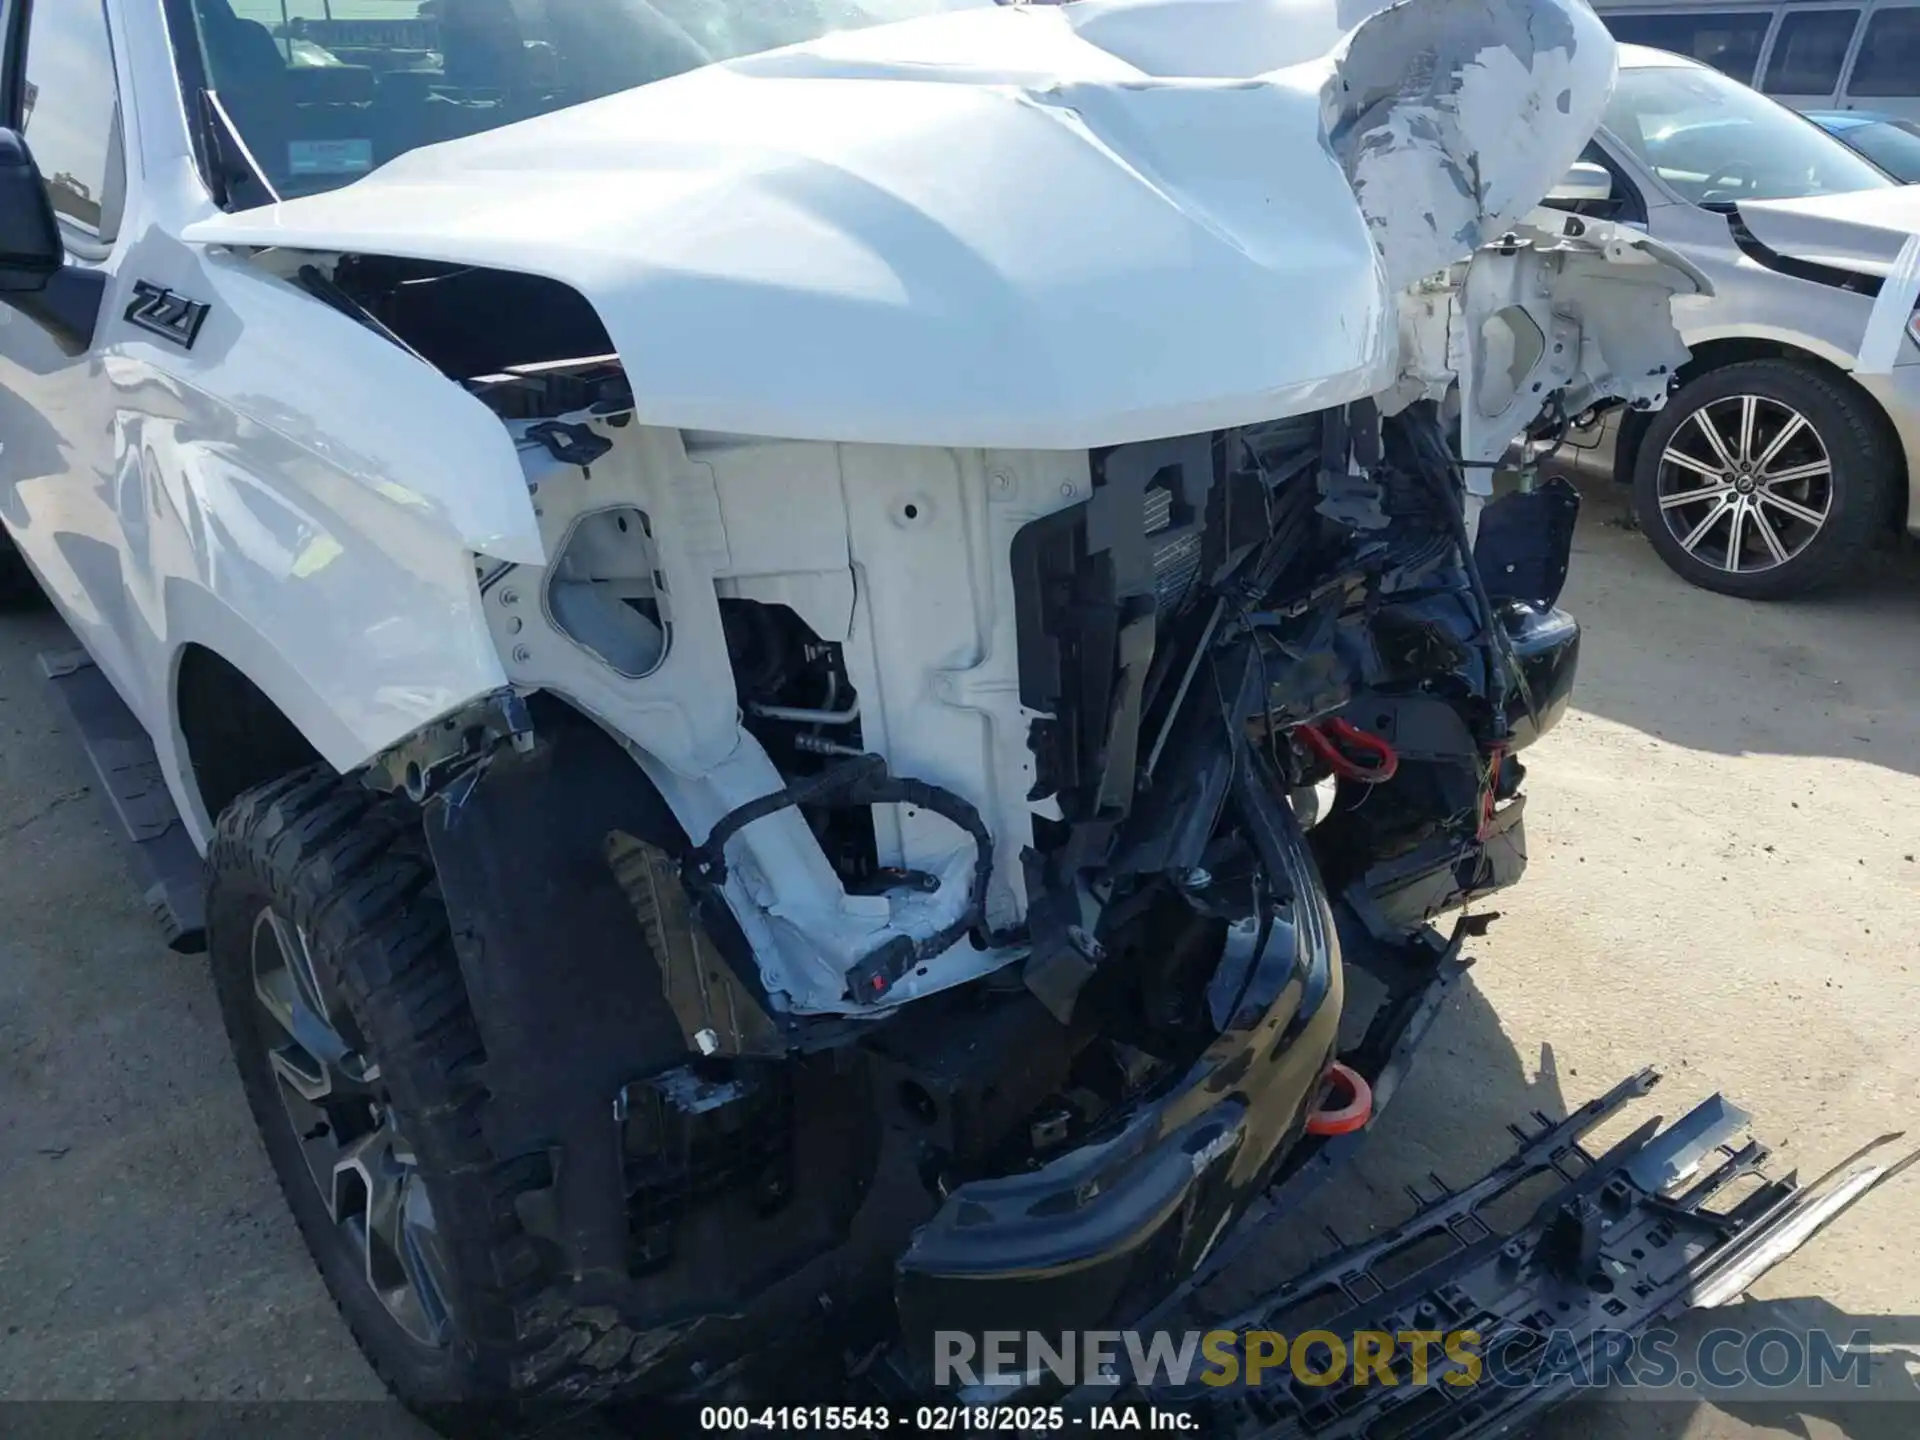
353, 868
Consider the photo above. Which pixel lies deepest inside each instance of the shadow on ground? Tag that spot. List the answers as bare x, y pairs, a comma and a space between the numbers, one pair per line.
1878, 1401
1828, 675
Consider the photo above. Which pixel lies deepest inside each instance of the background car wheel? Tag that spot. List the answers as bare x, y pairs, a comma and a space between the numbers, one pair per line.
1763, 479
355, 1042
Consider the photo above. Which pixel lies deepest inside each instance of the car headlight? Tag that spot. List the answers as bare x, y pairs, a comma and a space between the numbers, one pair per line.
1913, 326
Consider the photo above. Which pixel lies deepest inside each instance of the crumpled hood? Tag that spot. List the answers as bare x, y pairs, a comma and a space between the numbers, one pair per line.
1862, 231
1026, 226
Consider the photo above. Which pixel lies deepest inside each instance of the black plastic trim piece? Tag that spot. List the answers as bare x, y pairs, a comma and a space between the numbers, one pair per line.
1082, 1238
1761, 253
1524, 543
1421, 974
568, 443
68, 308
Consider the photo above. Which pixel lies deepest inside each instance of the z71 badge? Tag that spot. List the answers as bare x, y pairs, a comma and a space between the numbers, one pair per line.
170, 316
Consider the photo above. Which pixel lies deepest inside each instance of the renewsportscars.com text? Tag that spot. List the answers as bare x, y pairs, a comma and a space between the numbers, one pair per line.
1721, 1359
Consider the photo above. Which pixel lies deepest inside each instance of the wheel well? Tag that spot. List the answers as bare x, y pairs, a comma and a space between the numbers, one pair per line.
236, 738
1732, 350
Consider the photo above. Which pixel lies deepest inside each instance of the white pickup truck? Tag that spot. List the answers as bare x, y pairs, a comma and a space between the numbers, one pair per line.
784, 653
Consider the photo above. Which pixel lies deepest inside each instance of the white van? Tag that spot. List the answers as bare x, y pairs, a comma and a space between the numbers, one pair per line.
1850, 56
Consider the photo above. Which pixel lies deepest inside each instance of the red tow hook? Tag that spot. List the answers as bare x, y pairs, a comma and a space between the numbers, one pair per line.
1338, 1113
1490, 797
1341, 743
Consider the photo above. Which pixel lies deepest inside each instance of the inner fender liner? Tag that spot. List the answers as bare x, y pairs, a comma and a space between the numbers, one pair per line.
556, 966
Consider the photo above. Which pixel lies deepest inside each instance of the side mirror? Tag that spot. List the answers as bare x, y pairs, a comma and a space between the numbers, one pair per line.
35, 279
31, 250
1585, 181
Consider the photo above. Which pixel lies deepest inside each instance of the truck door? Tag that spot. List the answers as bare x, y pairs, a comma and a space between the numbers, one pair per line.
60, 488
1810, 48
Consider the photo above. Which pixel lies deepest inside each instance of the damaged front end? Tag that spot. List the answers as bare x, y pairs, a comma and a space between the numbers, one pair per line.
908, 887
962, 998
1278, 736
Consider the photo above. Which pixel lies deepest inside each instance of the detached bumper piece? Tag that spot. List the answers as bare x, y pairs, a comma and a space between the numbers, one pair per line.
1617, 1243
1075, 1242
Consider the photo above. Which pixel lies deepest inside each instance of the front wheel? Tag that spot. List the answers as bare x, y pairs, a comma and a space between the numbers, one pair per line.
356, 1044
1763, 479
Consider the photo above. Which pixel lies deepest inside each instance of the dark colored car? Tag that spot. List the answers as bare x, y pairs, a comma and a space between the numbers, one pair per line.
1889, 141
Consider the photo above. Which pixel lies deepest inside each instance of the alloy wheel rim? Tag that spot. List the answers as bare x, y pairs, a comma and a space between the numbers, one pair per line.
359, 1160
1745, 484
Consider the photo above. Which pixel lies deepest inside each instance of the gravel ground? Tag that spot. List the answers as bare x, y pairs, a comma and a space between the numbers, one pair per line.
1724, 883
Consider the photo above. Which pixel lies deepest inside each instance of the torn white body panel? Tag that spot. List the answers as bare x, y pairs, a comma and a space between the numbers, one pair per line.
1566, 313
898, 555
986, 229
1451, 121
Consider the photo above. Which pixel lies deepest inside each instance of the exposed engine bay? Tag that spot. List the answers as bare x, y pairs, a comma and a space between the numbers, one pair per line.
998, 827
918, 696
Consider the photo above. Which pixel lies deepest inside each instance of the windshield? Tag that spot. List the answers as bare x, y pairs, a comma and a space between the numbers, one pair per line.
1714, 141
1890, 144
322, 91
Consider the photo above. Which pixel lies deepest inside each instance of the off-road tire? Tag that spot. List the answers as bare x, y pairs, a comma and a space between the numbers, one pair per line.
1858, 447
351, 869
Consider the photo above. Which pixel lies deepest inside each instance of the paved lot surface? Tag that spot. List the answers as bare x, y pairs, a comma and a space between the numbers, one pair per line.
1724, 882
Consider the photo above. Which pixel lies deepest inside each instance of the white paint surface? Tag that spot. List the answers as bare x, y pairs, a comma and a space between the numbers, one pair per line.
985, 228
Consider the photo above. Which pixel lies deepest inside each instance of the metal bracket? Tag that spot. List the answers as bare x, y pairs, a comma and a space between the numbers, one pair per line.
569, 444
427, 761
